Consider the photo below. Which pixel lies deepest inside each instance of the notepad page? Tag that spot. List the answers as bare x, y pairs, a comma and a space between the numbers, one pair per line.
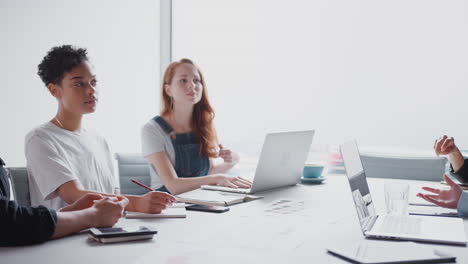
170, 212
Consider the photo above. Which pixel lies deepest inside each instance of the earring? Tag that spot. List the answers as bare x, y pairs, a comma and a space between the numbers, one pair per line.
171, 103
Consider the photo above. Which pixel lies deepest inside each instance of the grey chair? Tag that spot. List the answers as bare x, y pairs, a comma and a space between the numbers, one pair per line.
133, 166
410, 168
20, 185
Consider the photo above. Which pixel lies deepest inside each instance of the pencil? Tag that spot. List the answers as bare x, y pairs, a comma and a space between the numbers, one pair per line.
142, 185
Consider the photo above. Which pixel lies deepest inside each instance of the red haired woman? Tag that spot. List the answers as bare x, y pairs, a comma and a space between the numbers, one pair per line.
181, 144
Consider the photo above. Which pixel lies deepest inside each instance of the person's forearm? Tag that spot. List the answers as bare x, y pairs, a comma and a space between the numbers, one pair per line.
181, 185
222, 168
22, 225
132, 203
73, 195
456, 159
72, 222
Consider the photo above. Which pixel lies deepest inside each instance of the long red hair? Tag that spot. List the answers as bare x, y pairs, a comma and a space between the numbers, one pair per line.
203, 113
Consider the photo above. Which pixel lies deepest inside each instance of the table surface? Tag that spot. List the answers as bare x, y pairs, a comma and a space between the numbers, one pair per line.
245, 234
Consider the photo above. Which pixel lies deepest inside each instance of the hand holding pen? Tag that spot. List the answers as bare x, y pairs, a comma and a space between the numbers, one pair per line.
152, 202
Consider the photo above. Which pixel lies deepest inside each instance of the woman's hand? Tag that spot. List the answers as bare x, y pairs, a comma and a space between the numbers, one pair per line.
444, 198
153, 202
232, 182
445, 145
227, 155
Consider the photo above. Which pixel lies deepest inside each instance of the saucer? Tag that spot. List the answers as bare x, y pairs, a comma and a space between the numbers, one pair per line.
313, 180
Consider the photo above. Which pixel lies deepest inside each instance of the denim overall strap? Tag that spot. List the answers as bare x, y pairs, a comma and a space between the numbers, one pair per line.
164, 125
188, 160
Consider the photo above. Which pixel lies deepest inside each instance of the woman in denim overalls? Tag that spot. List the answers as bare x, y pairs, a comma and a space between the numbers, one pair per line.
187, 118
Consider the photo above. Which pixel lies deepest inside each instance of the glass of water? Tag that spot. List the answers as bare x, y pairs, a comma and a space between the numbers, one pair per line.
396, 198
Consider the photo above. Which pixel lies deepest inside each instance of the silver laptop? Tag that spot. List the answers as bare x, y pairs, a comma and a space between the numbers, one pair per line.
281, 162
405, 227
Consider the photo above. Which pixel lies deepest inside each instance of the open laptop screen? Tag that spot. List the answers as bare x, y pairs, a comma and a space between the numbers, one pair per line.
358, 182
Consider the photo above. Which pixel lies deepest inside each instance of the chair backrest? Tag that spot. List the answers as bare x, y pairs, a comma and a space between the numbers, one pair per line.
133, 166
410, 168
20, 185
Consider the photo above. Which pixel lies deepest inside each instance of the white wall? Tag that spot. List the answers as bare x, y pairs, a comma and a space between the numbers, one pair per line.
390, 73
122, 38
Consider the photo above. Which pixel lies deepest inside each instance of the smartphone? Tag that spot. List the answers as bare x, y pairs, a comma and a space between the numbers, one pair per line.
207, 208
118, 234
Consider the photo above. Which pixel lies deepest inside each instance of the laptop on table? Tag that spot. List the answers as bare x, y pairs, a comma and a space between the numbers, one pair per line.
404, 227
281, 162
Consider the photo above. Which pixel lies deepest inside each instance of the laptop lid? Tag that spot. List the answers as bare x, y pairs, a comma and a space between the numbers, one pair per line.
358, 183
282, 160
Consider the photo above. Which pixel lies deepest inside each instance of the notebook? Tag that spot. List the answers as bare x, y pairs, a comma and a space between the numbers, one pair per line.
217, 198
177, 211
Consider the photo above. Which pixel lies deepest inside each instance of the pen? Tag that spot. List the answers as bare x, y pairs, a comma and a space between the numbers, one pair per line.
142, 185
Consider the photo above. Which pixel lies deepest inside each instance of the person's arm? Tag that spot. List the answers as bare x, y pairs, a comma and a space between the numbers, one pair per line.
154, 141
21, 225
54, 178
463, 204
103, 212
152, 202
230, 159
457, 162
445, 145
161, 163
462, 171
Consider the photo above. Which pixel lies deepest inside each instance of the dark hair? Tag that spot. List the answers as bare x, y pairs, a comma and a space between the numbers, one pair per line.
58, 61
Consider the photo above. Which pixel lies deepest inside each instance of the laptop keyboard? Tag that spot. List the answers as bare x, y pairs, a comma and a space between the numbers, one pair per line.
400, 225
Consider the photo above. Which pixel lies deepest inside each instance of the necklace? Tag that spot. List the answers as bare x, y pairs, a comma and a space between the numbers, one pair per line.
60, 123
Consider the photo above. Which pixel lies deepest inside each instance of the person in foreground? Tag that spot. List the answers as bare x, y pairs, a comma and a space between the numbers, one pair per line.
65, 161
24, 225
454, 197
181, 144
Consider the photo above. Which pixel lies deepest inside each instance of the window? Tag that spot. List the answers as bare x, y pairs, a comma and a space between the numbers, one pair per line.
389, 73
122, 38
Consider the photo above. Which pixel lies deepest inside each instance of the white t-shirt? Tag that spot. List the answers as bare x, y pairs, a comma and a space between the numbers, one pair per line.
55, 156
153, 140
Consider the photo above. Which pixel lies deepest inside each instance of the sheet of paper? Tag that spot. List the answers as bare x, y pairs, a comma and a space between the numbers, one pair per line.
178, 205
432, 210
170, 212
284, 207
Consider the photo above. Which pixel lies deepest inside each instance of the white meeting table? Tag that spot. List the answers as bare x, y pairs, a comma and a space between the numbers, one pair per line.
245, 234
